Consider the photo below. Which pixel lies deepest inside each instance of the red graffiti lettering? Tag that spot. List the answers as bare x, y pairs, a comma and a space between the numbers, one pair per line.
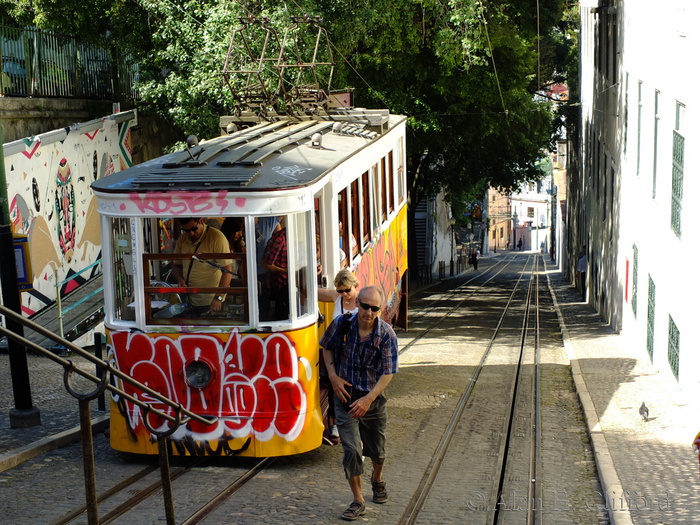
254, 388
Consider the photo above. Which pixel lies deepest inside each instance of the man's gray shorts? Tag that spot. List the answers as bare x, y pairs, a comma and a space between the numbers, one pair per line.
362, 437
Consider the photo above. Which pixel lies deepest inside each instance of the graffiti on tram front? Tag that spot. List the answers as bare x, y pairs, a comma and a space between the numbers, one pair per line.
180, 204
255, 388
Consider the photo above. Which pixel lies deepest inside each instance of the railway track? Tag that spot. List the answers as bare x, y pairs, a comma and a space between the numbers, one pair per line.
143, 489
500, 405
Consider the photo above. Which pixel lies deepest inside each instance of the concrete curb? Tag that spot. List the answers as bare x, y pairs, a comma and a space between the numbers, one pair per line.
32, 450
609, 479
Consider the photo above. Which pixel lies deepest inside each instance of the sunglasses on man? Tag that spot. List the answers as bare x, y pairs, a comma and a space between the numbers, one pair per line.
366, 306
190, 230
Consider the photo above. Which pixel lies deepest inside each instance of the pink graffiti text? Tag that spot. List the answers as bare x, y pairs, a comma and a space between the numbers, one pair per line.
181, 203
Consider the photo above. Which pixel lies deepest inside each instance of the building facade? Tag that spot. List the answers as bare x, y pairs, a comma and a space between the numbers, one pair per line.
629, 180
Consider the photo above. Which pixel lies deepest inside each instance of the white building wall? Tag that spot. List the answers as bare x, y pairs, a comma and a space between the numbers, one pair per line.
627, 145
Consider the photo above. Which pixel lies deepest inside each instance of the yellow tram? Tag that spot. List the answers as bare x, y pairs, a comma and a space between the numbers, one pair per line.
240, 341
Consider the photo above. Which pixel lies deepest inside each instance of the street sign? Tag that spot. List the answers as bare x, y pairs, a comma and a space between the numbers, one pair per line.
23, 262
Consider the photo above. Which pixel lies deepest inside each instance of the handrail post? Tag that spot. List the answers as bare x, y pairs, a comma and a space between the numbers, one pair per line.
58, 304
99, 370
58, 348
165, 480
88, 462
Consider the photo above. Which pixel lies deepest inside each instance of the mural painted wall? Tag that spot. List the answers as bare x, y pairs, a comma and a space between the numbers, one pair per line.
48, 186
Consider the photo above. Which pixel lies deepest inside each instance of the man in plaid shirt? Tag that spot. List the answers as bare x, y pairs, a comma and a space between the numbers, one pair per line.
361, 358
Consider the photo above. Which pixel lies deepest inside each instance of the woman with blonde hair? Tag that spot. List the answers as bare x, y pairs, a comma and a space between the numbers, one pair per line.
344, 296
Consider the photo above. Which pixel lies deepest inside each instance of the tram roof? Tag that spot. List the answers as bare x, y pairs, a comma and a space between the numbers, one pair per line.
282, 154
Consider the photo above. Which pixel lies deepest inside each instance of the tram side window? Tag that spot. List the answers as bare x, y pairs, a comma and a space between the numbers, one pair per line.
123, 268
355, 223
274, 302
378, 197
391, 181
385, 193
366, 209
400, 171
303, 264
347, 213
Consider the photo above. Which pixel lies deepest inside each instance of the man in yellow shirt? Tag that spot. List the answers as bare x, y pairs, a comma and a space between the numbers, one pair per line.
197, 237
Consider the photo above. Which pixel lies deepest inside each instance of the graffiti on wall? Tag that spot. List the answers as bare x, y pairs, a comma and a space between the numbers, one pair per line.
255, 387
48, 187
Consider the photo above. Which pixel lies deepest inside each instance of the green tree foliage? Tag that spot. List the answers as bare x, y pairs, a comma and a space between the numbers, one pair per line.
464, 71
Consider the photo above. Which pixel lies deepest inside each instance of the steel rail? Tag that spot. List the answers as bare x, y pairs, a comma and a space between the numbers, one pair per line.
415, 505
512, 409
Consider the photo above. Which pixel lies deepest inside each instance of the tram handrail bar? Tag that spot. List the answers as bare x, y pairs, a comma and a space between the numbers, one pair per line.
69, 365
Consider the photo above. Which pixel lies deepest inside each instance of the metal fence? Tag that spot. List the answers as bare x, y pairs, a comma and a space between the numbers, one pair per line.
43, 64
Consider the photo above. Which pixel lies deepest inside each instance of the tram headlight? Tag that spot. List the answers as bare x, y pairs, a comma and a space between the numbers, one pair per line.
198, 374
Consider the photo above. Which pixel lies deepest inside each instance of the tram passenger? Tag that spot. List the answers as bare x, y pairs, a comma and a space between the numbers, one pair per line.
197, 237
344, 297
264, 228
360, 365
354, 250
274, 261
234, 230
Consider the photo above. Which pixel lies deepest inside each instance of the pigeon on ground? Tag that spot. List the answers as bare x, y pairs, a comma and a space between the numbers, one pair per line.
644, 411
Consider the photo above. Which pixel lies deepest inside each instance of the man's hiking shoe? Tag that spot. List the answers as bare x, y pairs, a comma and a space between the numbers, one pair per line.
354, 511
379, 491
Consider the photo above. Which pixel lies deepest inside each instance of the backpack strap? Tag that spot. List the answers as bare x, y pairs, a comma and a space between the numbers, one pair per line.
344, 331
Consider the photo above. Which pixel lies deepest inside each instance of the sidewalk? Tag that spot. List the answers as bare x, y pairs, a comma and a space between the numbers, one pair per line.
58, 411
648, 470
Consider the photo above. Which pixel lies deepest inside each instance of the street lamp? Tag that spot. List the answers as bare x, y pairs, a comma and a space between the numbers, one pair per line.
453, 221
515, 229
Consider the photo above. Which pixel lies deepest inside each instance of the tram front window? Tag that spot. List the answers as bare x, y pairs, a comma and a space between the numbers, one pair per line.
275, 262
288, 269
180, 272
194, 273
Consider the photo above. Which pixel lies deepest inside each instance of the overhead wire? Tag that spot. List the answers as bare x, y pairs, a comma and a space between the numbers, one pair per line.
493, 61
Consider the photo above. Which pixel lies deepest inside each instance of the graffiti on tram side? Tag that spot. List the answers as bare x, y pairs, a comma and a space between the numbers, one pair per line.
385, 263
48, 188
255, 386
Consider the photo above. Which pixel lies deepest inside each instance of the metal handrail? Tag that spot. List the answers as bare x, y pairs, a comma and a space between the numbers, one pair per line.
102, 383
95, 360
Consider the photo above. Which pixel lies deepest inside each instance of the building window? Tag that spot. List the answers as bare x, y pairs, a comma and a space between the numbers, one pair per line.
656, 139
635, 263
531, 213
674, 339
639, 126
677, 177
627, 96
651, 306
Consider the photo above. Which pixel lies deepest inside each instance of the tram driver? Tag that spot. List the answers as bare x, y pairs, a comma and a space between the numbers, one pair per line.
198, 237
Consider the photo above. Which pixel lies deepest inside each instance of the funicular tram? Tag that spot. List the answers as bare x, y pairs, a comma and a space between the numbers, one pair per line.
235, 345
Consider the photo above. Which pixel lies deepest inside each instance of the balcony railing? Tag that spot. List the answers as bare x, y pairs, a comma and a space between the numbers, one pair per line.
37, 63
